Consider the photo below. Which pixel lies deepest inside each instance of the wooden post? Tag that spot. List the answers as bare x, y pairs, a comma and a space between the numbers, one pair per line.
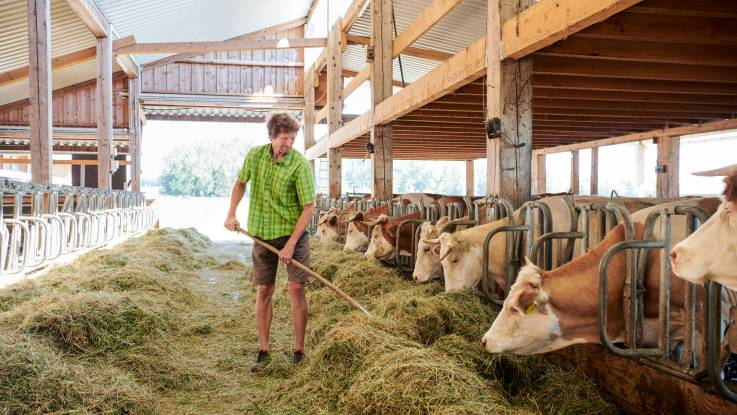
134, 87
594, 171
574, 172
469, 178
39, 52
509, 98
104, 103
668, 158
335, 102
540, 186
309, 117
381, 41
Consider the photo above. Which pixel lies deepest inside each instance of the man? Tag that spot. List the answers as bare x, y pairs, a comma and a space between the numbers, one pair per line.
280, 208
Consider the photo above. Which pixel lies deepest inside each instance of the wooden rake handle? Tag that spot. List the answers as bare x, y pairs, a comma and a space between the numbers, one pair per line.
312, 273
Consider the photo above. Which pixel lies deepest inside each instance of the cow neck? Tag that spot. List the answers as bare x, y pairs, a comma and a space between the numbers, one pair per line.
573, 291
361, 226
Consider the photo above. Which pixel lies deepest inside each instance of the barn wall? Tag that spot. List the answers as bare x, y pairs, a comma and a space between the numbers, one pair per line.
184, 77
74, 106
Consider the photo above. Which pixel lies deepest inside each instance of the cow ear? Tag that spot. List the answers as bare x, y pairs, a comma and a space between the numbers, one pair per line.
529, 262
730, 190
333, 220
525, 303
436, 249
435, 241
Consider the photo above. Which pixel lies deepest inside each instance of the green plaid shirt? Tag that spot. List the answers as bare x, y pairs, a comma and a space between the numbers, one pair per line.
279, 189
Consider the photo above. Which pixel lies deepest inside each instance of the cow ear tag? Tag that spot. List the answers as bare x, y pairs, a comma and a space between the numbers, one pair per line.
531, 309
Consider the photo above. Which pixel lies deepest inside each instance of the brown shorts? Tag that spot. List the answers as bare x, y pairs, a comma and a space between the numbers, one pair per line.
266, 262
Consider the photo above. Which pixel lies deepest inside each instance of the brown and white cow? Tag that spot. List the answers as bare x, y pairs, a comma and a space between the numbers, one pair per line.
461, 253
357, 232
427, 261
547, 311
710, 253
384, 237
329, 225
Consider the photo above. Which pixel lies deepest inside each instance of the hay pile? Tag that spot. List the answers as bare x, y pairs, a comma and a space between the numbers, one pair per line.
419, 354
93, 336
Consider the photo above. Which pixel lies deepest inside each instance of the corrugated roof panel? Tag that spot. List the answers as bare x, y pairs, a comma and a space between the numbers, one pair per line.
189, 20
68, 32
60, 78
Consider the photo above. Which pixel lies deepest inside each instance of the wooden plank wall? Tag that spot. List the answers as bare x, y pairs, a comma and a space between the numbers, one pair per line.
74, 106
184, 77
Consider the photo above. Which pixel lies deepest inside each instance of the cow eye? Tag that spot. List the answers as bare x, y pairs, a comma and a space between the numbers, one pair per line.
454, 260
427, 249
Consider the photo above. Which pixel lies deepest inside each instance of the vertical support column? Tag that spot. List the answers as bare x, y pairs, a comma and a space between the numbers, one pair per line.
574, 172
668, 160
335, 103
381, 88
134, 87
39, 53
104, 103
594, 171
309, 115
509, 98
540, 184
469, 178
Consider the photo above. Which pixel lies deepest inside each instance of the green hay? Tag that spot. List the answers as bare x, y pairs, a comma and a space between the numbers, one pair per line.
89, 323
36, 379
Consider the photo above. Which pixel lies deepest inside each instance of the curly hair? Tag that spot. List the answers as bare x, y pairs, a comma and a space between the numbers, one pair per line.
281, 122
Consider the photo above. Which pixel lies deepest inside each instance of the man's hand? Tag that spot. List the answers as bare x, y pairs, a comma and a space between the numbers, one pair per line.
285, 255
231, 223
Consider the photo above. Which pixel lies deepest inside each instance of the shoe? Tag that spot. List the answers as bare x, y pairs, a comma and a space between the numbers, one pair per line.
262, 360
298, 356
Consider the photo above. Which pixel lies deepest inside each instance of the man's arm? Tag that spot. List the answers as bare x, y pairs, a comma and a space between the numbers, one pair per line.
239, 189
285, 255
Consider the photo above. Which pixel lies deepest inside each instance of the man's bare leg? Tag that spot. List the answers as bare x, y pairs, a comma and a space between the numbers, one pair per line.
264, 312
299, 313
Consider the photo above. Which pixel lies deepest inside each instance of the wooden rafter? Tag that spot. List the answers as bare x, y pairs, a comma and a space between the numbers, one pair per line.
92, 16
223, 45
64, 61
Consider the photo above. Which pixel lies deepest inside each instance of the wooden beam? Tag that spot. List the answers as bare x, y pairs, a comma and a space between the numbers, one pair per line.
469, 64
639, 97
633, 85
410, 51
223, 45
64, 61
242, 63
509, 98
27, 160
309, 114
668, 160
39, 53
382, 159
322, 113
666, 132
670, 108
361, 77
552, 20
92, 16
469, 178
429, 17
641, 51
352, 14
711, 8
594, 170
546, 65
104, 104
134, 87
628, 114
271, 30
335, 106
540, 178
574, 172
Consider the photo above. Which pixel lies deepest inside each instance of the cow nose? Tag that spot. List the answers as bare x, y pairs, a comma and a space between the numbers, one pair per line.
483, 342
673, 258
414, 277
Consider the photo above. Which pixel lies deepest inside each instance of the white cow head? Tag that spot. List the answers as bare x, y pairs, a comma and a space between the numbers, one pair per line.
427, 263
355, 238
710, 253
527, 324
462, 261
327, 227
379, 246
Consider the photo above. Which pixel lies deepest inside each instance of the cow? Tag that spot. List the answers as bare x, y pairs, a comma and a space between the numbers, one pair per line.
329, 225
358, 227
461, 253
384, 237
710, 253
549, 310
427, 262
